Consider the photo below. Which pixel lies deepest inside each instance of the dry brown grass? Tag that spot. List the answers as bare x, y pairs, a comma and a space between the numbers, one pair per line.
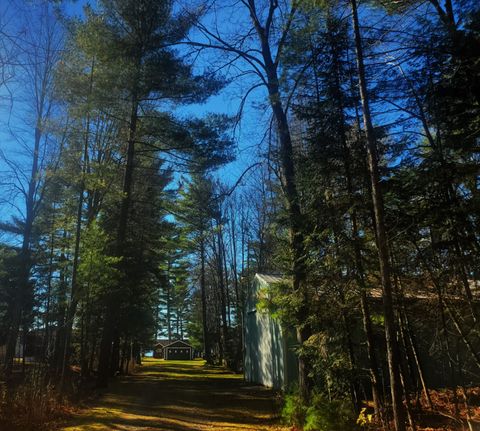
31, 405
448, 415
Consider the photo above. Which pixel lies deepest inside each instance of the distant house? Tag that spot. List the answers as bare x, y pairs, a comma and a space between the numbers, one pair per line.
27, 346
270, 357
19, 347
158, 349
173, 350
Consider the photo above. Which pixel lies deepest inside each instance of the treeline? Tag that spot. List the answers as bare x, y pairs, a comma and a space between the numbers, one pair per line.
227, 229
363, 194
372, 203
93, 151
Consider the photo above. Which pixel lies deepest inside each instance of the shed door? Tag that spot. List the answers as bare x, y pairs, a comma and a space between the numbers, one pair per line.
178, 353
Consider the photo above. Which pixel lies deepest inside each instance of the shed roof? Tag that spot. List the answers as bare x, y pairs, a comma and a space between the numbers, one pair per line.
270, 278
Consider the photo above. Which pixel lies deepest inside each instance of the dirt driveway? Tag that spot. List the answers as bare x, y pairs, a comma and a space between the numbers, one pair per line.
180, 396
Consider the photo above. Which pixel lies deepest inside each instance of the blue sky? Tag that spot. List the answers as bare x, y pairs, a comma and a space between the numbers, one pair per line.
248, 133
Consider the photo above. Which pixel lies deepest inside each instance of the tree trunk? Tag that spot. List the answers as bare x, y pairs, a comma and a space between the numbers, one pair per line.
22, 291
72, 309
46, 338
358, 264
206, 335
223, 300
109, 329
74, 298
290, 192
416, 356
381, 236
169, 313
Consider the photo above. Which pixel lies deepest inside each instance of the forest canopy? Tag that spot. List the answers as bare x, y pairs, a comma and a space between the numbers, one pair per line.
156, 154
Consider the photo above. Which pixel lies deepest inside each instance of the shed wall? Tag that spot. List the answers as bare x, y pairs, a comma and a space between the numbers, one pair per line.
269, 350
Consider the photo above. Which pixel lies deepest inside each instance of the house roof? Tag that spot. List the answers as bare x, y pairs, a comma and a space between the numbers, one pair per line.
377, 293
412, 292
162, 343
178, 343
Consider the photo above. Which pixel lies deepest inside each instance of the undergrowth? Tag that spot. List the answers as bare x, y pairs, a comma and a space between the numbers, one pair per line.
31, 405
320, 414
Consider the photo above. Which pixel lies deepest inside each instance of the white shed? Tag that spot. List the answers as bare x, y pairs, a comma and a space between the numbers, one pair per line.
270, 357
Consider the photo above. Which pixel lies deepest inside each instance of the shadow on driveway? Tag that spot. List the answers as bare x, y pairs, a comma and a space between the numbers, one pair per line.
180, 396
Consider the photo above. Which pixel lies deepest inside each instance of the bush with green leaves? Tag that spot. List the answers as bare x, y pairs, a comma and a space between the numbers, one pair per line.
321, 413
294, 410
329, 415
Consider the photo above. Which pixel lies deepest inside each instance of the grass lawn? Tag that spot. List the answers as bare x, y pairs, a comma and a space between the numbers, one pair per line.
180, 396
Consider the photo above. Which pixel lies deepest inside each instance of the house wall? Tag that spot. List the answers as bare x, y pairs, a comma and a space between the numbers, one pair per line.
178, 350
158, 352
178, 353
270, 357
18, 350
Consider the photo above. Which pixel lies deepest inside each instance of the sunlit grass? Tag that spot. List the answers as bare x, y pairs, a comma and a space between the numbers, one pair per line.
195, 369
178, 396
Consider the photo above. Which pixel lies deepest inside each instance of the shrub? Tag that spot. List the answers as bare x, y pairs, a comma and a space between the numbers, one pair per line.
31, 405
321, 414
326, 415
294, 410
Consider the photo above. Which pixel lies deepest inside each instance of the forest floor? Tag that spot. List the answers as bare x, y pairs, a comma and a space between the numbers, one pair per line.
179, 396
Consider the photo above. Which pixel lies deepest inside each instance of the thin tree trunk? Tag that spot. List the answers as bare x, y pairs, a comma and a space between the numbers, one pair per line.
24, 258
62, 300
408, 406
223, 302
408, 338
381, 236
76, 254
227, 285
359, 272
169, 313
91, 362
236, 285
354, 393
46, 340
206, 335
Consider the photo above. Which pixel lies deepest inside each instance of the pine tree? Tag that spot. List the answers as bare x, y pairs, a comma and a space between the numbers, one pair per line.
132, 41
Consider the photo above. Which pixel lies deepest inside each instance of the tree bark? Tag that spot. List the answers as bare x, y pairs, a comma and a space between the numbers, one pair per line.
206, 335
74, 295
290, 191
109, 329
381, 236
